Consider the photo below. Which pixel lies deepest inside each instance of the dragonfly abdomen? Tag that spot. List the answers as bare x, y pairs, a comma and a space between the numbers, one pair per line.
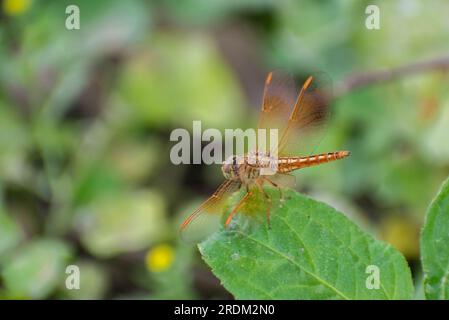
288, 164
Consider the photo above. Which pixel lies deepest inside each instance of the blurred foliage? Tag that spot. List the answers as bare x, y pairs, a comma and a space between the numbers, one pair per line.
184, 76
36, 269
86, 115
117, 224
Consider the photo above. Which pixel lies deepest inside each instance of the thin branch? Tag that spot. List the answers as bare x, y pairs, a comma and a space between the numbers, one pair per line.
356, 81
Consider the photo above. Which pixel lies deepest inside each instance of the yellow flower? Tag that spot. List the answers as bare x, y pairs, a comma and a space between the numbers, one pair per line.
159, 258
16, 7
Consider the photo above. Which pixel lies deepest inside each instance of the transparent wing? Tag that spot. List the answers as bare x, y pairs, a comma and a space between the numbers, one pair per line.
279, 97
300, 119
282, 180
198, 225
308, 120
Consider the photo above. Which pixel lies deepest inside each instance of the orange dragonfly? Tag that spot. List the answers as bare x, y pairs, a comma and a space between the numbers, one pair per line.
297, 119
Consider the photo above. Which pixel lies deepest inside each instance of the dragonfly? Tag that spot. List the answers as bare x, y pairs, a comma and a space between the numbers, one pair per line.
298, 118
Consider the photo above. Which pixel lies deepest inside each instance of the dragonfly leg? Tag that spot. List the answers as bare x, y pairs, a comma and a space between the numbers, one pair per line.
281, 194
267, 197
237, 207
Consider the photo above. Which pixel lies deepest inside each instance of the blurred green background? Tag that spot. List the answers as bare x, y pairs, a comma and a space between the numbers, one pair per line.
86, 115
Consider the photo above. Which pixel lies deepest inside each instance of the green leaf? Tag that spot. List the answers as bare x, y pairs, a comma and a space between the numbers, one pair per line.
125, 222
434, 246
10, 234
311, 251
93, 282
36, 269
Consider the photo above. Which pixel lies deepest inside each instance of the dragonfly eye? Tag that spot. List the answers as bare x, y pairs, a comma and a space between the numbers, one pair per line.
229, 166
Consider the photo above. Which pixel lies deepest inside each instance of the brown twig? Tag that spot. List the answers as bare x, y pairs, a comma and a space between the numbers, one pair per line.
356, 81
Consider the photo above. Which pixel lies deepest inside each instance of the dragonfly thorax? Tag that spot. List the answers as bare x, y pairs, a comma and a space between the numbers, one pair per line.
247, 168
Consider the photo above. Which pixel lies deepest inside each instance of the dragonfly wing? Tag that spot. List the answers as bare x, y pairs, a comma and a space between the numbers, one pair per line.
308, 120
279, 97
283, 180
194, 226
